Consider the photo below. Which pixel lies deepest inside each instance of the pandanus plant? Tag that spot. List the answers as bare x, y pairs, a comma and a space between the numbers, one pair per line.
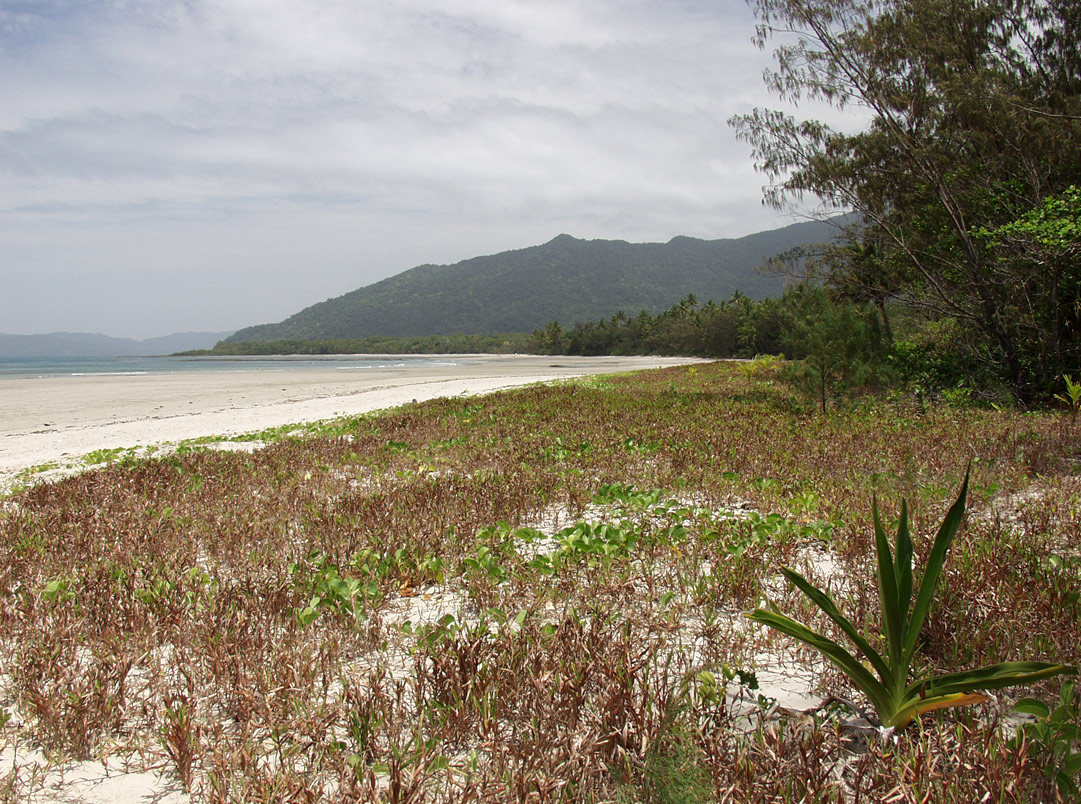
885, 679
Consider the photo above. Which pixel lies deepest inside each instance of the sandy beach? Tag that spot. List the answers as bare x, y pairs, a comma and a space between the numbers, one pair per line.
59, 419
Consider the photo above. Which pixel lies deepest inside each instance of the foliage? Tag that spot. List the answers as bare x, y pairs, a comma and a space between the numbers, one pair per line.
1053, 228
1043, 246
674, 771
964, 177
1055, 736
840, 344
458, 343
926, 367
1072, 396
737, 327
854, 267
664, 502
895, 699
325, 590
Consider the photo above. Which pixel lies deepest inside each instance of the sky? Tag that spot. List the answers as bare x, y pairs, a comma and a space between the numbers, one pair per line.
204, 165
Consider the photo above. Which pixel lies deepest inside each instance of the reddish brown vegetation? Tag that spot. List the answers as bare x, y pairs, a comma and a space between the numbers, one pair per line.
154, 605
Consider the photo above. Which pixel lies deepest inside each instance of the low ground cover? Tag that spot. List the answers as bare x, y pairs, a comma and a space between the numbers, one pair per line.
538, 596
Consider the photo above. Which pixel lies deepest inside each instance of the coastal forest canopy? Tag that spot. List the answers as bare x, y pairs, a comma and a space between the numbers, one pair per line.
965, 180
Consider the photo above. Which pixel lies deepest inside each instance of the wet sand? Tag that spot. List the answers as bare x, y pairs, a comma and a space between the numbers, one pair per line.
59, 419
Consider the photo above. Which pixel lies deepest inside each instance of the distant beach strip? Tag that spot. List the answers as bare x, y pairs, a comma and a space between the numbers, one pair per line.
12, 367
60, 412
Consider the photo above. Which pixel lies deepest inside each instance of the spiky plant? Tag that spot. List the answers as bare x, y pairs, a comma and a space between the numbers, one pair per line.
897, 699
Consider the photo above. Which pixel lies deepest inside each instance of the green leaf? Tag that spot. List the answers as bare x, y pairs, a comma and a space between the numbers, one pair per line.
1068, 732
903, 565
911, 707
438, 763
829, 608
1030, 706
893, 617
995, 676
845, 661
1067, 785
950, 525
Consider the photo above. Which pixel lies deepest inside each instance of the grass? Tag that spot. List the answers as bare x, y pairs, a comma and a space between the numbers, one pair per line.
534, 596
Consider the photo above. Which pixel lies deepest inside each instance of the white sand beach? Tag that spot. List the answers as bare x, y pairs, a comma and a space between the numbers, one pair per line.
59, 419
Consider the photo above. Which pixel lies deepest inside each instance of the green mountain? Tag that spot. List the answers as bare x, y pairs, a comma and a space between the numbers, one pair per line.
566, 280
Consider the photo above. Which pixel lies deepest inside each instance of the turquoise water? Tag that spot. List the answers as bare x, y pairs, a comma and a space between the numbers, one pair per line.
14, 367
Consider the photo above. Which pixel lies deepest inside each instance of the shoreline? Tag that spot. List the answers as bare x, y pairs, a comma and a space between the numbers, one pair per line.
59, 419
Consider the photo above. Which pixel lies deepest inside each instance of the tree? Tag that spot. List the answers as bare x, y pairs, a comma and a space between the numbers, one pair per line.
1048, 239
840, 343
975, 120
550, 340
856, 266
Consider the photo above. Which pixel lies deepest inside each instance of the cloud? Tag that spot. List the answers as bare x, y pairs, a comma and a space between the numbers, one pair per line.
343, 141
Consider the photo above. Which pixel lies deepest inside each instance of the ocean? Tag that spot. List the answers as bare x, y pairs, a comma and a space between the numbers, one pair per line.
17, 367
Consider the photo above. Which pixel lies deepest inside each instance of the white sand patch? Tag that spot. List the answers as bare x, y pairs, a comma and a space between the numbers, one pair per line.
429, 605
235, 446
46, 420
114, 780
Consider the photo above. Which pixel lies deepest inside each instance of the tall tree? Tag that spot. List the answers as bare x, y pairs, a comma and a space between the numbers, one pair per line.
975, 120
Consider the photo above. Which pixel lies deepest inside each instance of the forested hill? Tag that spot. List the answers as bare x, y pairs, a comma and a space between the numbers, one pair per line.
566, 279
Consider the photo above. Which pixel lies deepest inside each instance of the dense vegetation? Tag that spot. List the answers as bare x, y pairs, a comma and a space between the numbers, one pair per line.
965, 179
566, 279
842, 346
537, 596
458, 343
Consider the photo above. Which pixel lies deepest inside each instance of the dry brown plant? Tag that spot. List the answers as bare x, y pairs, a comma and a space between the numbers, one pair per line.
341, 617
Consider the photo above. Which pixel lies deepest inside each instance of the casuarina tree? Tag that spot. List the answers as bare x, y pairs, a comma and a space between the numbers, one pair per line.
973, 111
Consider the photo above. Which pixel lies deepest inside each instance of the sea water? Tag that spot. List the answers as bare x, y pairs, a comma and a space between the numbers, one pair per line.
16, 367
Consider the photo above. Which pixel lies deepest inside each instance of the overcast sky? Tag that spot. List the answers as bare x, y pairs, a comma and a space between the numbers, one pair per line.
177, 165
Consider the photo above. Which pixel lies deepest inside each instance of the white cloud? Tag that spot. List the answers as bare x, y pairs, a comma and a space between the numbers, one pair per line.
177, 143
